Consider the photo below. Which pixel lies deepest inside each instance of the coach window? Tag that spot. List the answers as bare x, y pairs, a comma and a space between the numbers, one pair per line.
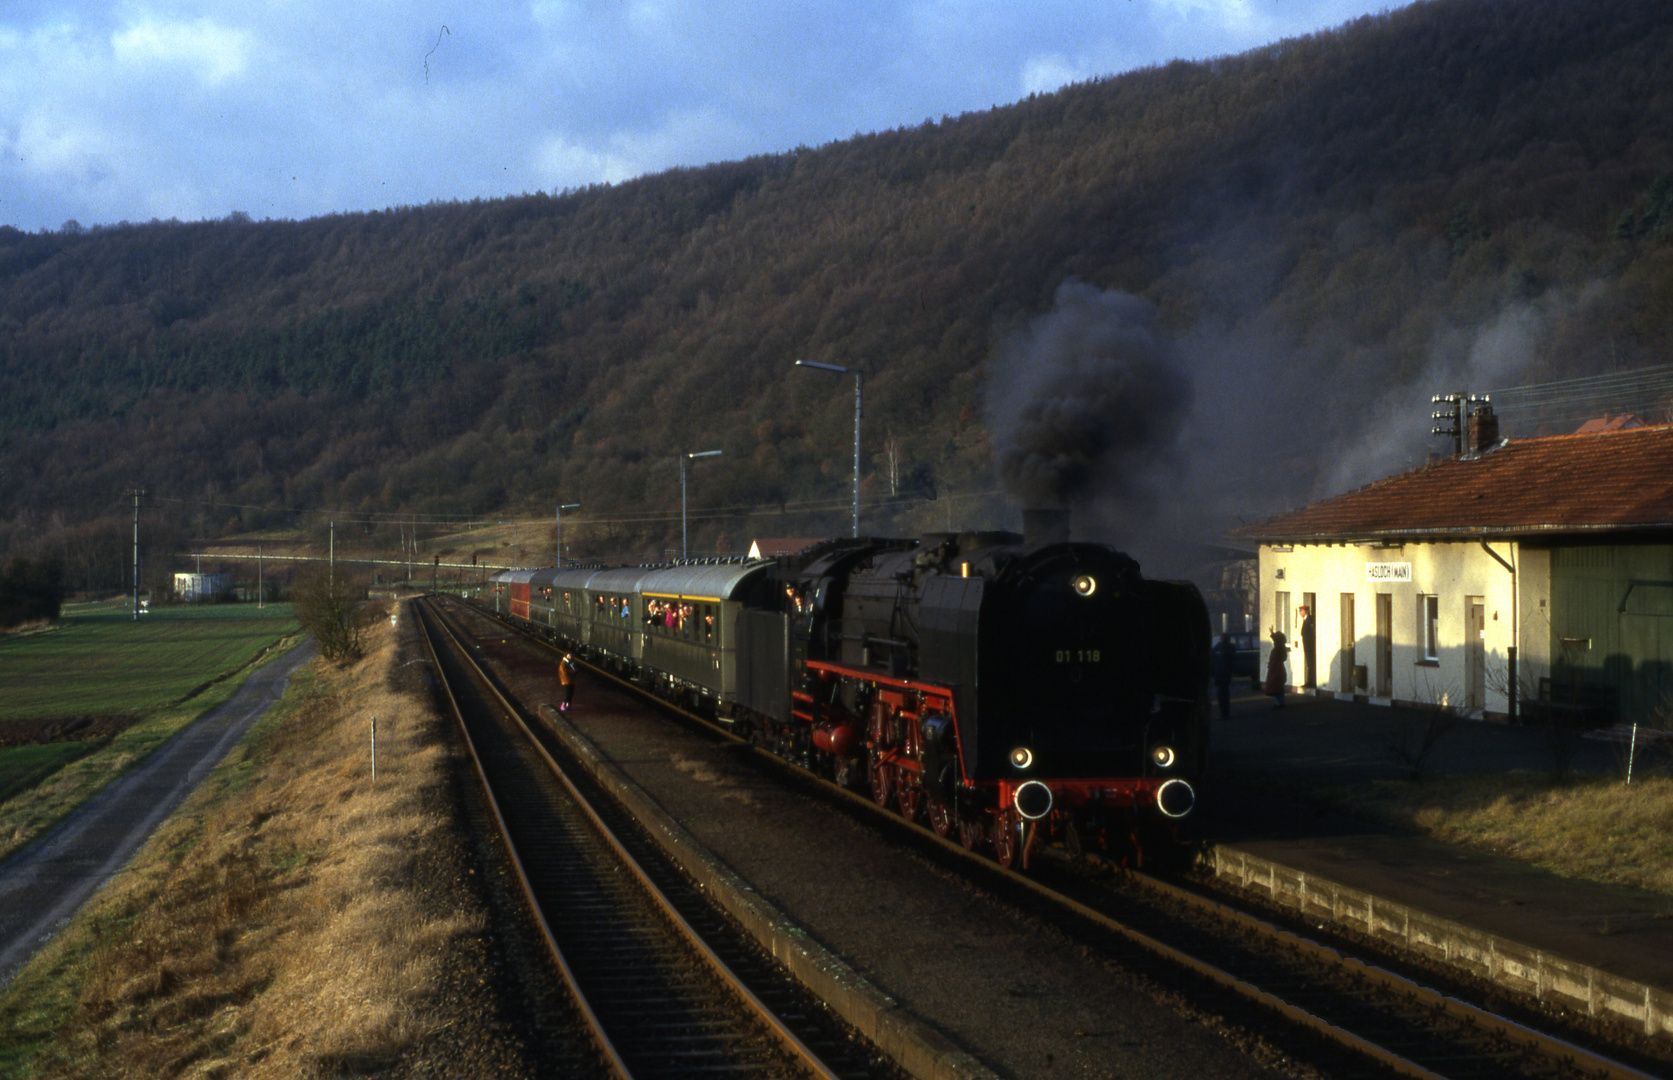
709, 622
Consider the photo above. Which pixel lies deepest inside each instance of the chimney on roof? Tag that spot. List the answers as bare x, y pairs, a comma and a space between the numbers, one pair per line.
1483, 428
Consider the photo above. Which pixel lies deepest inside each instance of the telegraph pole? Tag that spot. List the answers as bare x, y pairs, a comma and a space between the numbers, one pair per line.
857, 379
137, 493
557, 522
685, 552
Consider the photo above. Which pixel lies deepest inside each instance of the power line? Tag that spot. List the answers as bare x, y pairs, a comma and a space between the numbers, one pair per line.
626, 517
1645, 391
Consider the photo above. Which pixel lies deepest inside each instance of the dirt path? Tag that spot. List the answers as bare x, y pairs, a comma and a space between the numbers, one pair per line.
42, 886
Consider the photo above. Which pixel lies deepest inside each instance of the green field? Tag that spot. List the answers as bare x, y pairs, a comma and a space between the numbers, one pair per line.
101, 661
24, 766
158, 674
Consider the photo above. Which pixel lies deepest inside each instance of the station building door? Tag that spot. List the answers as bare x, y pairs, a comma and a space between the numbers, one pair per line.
1475, 652
1346, 664
1385, 645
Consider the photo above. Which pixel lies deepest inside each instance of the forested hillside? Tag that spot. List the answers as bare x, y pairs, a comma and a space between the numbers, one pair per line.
1460, 194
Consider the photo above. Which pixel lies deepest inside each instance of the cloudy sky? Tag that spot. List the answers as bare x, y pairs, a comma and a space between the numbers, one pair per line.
128, 110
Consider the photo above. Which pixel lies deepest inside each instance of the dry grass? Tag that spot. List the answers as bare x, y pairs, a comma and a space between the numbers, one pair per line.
280, 925
1595, 828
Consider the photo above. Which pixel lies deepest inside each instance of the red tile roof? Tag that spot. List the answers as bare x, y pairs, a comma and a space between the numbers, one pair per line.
1608, 423
1577, 483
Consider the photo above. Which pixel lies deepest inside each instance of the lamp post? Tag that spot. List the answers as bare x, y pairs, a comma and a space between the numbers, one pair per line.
558, 520
856, 373
684, 551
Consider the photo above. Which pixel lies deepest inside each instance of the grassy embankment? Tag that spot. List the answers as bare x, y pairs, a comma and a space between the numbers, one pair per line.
157, 675
1597, 828
290, 920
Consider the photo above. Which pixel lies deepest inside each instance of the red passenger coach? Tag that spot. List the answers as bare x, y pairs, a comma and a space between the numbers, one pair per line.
517, 589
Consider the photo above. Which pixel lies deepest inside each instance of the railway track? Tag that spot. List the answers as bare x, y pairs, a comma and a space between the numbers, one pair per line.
1345, 1014
662, 984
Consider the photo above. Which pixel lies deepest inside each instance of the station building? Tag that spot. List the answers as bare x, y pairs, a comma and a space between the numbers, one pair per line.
1521, 577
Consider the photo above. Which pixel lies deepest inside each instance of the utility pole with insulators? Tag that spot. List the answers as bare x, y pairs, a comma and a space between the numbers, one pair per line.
137, 493
1453, 421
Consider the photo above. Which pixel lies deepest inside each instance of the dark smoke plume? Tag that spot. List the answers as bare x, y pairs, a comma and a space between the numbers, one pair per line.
1084, 398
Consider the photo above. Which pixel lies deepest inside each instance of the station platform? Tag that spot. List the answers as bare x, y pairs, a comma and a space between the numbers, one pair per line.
1268, 766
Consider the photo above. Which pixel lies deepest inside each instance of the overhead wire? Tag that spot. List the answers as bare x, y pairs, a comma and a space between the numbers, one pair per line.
1646, 392
628, 517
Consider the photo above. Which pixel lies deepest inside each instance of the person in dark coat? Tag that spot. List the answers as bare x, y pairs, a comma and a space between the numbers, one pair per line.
1275, 677
1310, 676
1224, 658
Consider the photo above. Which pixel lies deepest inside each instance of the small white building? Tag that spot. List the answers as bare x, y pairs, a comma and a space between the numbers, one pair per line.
1540, 564
194, 587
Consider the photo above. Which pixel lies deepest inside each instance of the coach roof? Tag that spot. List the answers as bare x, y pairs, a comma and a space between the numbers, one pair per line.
712, 581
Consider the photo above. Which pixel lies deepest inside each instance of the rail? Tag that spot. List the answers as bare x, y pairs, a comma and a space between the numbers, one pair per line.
607, 1023
1410, 1029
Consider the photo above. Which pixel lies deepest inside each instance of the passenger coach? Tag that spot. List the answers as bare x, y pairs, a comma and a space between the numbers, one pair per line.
674, 627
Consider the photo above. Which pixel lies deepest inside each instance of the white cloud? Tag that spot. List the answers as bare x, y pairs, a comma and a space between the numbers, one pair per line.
1043, 74
564, 163
211, 52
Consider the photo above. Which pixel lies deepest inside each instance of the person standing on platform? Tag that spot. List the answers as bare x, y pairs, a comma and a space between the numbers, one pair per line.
1275, 675
1309, 677
566, 676
1224, 656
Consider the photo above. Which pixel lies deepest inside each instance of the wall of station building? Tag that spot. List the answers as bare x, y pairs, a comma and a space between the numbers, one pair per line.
1421, 623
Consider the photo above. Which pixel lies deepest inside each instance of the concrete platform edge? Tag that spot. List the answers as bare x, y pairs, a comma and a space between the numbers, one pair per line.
1509, 964
915, 1046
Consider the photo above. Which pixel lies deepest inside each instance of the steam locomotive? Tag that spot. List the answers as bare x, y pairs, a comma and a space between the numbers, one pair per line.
1010, 693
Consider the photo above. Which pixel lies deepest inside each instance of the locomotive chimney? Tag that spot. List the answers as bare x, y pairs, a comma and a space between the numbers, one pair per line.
1045, 525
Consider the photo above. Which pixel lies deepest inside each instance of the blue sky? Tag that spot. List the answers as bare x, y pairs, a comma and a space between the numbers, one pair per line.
192, 109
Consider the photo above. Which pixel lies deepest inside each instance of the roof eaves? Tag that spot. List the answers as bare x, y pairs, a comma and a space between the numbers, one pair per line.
1451, 532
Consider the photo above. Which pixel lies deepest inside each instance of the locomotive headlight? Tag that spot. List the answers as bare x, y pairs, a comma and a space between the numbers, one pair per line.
1022, 757
1163, 756
1032, 800
1175, 798
1084, 585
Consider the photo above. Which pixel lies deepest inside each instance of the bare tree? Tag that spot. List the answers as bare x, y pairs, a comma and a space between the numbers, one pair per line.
325, 602
891, 456
1412, 737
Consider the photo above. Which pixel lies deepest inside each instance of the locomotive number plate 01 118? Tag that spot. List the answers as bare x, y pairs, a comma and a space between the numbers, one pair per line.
1080, 656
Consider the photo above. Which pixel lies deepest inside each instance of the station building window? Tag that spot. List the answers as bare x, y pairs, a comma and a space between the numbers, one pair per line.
1428, 626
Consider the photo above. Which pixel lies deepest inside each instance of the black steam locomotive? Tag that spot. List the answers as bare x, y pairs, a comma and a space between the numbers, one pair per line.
1010, 693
